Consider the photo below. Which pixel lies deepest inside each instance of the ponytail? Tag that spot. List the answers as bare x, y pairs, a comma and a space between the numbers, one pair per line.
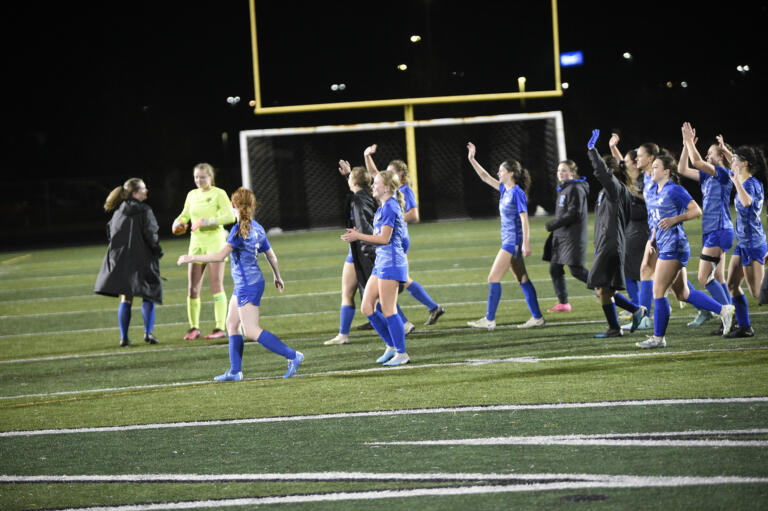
121, 193
245, 202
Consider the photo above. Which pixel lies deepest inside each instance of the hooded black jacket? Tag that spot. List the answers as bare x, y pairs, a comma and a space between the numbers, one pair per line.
132, 263
569, 227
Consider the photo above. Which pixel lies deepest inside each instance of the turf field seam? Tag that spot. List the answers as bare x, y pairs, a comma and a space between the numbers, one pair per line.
387, 413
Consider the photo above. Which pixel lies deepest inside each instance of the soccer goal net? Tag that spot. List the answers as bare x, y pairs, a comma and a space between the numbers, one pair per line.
294, 171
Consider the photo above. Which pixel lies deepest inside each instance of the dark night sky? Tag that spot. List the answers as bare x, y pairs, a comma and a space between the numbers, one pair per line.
101, 93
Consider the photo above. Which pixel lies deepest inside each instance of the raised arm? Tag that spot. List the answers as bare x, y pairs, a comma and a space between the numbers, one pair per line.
723, 147
484, 175
683, 168
369, 164
689, 138
272, 260
613, 143
600, 170
344, 168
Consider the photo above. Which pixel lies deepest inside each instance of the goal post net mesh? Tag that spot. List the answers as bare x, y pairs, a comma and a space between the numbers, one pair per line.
294, 171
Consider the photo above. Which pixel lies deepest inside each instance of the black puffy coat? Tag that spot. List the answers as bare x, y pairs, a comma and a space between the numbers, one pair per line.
611, 215
132, 263
362, 208
569, 227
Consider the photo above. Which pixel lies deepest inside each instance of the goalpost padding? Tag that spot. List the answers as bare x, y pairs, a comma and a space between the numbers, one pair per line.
294, 171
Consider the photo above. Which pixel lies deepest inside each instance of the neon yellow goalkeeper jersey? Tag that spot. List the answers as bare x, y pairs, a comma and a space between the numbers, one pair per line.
211, 204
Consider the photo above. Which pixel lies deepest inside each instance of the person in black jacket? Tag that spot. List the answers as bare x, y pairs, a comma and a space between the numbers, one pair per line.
361, 207
606, 276
131, 266
569, 231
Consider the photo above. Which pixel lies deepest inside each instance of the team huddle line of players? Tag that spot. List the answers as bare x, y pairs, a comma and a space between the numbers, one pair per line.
640, 246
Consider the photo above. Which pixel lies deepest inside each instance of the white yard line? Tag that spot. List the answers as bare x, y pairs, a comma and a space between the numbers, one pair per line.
597, 481
387, 413
613, 439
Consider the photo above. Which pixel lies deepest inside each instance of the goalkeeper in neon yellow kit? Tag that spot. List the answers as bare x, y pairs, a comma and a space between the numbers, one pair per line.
208, 210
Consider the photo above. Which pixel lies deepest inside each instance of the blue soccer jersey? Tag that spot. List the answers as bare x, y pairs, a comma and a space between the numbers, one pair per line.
671, 200
244, 259
511, 204
390, 255
716, 193
749, 229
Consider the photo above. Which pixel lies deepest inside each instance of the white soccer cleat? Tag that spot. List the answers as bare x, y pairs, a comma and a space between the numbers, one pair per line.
398, 360
726, 316
339, 339
488, 324
532, 323
654, 341
408, 327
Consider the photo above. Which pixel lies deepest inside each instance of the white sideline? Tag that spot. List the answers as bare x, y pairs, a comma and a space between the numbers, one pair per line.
597, 481
383, 413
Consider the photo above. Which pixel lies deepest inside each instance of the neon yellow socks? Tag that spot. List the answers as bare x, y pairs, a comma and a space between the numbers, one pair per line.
193, 312
219, 310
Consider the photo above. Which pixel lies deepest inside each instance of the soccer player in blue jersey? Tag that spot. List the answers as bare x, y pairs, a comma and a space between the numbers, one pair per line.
748, 176
391, 269
245, 242
716, 223
669, 205
411, 215
512, 183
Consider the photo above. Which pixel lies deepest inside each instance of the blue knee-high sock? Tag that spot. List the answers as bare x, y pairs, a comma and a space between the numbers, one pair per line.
345, 318
275, 345
718, 293
494, 296
148, 312
396, 332
646, 295
727, 293
380, 325
742, 311
660, 316
124, 318
625, 304
530, 298
633, 290
703, 301
236, 344
422, 296
609, 309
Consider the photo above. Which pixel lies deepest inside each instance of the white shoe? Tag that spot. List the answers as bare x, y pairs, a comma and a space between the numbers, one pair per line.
339, 339
483, 322
398, 360
533, 322
652, 342
408, 327
726, 316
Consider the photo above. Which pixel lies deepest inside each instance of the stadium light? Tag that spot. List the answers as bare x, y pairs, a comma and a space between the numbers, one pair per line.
627, 55
402, 67
564, 85
415, 38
